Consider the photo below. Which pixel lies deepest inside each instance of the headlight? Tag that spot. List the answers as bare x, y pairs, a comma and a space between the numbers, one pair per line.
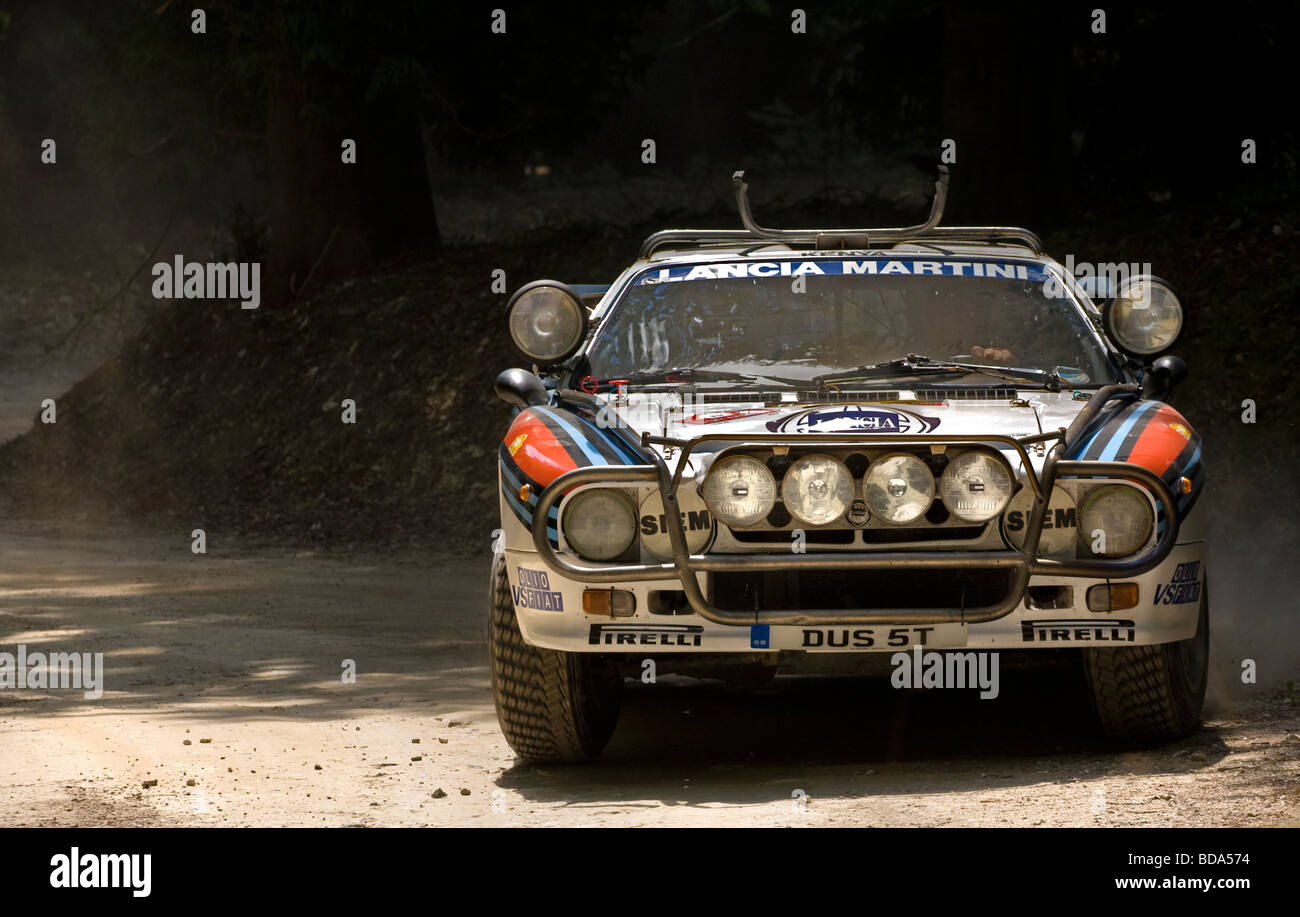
1121, 513
976, 486
898, 488
1145, 317
599, 523
547, 321
739, 490
817, 489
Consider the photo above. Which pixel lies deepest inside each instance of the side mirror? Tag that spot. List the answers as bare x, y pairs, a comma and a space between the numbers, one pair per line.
1163, 377
520, 388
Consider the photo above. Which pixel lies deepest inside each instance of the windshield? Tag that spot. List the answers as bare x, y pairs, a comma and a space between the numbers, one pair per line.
802, 319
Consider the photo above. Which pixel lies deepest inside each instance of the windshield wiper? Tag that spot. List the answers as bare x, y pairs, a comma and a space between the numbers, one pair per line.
691, 375
915, 364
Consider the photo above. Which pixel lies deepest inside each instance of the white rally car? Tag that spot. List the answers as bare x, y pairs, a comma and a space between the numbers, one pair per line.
761, 444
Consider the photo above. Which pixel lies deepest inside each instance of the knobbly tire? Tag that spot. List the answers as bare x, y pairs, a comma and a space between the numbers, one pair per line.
1152, 693
554, 707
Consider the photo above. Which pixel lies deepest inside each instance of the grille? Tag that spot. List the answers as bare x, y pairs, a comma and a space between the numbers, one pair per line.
869, 536
858, 589
782, 536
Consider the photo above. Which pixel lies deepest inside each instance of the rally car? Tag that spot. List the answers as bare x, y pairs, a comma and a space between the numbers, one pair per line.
758, 445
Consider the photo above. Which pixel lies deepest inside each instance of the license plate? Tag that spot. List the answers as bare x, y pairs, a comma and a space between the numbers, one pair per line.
857, 638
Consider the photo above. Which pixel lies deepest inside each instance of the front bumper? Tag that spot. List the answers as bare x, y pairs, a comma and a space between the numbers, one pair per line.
1162, 615
685, 568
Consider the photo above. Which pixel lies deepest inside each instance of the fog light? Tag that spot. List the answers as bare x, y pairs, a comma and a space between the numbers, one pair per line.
614, 603
1112, 597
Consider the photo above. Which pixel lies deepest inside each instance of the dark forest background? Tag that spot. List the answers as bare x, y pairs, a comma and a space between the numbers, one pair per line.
241, 127
522, 151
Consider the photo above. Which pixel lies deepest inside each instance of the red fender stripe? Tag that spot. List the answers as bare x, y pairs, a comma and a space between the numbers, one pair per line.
536, 450
1160, 443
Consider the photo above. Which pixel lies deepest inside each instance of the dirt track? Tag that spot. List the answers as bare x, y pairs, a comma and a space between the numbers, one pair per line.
246, 649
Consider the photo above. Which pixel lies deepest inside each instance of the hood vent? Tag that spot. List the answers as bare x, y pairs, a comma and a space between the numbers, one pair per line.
850, 394
964, 393
960, 393
841, 394
740, 397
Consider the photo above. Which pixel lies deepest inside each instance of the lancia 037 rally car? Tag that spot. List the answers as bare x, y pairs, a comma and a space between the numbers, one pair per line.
758, 444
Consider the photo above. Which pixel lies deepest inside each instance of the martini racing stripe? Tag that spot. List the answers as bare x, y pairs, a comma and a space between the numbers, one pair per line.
517, 474
593, 443
1185, 462
1154, 435
621, 452
563, 440
524, 511
1104, 429
1163, 444
1128, 431
564, 436
1194, 471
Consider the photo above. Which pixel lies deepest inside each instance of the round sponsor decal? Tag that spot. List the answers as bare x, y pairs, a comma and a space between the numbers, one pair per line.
517, 442
1181, 430
1060, 526
695, 516
853, 418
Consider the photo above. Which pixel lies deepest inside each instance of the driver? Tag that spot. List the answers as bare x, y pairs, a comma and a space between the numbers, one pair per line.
993, 354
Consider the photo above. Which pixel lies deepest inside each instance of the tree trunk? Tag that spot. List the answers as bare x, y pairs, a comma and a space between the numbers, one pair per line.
317, 227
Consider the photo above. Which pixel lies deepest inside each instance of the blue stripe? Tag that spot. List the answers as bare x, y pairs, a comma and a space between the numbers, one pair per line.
1091, 439
1197, 477
578, 438
613, 440
519, 507
532, 500
1117, 440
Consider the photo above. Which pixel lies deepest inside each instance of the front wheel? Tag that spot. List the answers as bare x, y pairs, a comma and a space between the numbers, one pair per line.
554, 707
1152, 692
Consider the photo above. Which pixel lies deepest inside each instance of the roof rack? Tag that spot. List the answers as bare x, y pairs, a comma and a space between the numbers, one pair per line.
929, 231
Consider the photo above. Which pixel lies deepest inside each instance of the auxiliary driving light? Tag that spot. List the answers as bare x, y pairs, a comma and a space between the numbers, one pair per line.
739, 490
1145, 317
547, 321
898, 488
976, 486
817, 489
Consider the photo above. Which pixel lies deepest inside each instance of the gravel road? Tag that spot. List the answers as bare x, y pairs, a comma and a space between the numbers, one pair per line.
223, 683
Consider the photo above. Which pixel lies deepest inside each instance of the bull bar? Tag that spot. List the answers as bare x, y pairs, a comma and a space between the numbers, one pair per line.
1023, 562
